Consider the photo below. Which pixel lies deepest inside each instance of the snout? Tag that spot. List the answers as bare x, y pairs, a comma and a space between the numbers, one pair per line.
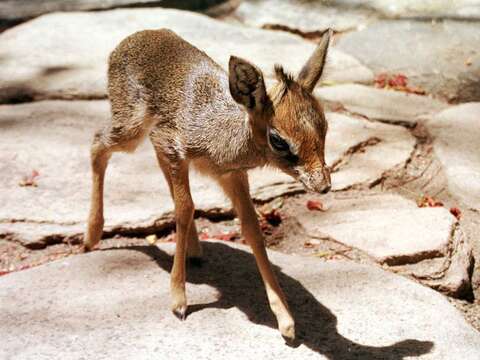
318, 181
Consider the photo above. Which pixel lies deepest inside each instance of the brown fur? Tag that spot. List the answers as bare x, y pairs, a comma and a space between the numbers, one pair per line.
162, 87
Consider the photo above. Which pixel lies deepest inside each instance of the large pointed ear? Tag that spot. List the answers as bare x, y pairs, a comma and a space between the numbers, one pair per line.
247, 86
313, 69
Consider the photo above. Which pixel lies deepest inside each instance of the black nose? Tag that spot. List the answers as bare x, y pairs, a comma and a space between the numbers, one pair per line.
326, 190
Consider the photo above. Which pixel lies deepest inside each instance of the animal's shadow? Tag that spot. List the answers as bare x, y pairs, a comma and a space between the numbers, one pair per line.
234, 274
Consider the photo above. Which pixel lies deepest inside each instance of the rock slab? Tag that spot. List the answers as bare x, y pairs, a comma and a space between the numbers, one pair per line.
388, 227
456, 133
442, 58
115, 304
40, 62
379, 104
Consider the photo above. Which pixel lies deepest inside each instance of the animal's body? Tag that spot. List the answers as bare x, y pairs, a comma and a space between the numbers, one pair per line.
195, 113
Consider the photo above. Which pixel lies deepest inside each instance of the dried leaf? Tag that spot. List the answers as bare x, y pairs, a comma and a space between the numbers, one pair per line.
380, 80
315, 205
398, 80
455, 211
428, 201
204, 235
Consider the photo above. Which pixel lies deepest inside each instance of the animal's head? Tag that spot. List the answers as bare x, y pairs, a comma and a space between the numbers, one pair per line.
287, 121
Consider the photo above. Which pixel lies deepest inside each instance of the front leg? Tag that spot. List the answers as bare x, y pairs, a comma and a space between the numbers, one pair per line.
236, 187
184, 210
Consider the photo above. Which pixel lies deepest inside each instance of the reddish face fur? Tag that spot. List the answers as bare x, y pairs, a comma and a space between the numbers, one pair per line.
289, 116
299, 119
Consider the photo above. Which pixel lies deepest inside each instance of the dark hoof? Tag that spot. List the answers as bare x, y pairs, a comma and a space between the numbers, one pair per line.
181, 314
294, 343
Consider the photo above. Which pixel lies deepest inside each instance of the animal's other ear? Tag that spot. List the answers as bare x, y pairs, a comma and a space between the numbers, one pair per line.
246, 85
312, 70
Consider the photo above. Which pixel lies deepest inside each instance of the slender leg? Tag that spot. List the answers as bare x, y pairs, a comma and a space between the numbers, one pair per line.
194, 248
184, 217
236, 187
100, 154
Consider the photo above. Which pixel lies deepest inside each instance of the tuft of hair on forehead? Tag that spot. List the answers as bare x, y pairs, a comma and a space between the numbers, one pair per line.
285, 81
282, 76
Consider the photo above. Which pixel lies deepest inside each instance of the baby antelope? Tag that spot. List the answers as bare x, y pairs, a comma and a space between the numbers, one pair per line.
195, 114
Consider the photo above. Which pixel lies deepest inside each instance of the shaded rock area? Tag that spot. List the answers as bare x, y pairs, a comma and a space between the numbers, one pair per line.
443, 58
11, 10
91, 306
73, 64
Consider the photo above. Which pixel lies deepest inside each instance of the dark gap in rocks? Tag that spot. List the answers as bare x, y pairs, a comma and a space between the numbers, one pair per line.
6, 24
360, 147
309, 35
191, 5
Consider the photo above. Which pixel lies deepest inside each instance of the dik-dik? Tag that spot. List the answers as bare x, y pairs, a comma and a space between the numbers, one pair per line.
222, 124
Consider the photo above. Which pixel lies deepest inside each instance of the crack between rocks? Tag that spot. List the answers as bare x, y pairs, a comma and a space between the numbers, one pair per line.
348, 154
33, 221
308, 35
161, 226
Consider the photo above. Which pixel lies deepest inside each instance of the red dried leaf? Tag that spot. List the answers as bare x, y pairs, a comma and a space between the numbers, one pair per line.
456, 212
204, 235
398, 80
380, 80
315, 205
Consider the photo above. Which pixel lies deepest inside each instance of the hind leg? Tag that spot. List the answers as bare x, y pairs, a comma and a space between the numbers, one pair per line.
194, 248
123, 137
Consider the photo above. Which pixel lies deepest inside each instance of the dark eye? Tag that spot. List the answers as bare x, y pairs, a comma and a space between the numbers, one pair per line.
278, 144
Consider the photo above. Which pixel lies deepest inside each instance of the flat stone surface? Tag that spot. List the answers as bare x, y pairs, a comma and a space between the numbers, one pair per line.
443, 58
456, 133
428, 9
306, 16
116, 304
38, 61
388, 227
380, 104
53, 138
378, 147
